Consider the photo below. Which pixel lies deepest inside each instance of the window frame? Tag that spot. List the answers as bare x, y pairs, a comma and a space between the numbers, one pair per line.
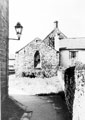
73, 54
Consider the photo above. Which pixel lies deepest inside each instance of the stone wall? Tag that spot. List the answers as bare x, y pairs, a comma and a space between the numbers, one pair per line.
69, 79
79, 99
50, 39
4, 31
48, 59
75, 91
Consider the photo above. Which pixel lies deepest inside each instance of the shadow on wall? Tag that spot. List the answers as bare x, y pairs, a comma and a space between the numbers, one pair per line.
75, 91
69, 79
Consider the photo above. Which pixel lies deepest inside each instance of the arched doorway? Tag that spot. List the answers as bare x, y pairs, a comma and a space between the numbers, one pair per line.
37, 62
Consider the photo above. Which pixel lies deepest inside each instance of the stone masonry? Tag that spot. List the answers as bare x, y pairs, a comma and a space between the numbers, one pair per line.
4, 31
25, 60
69, 80
79, 99
75, 91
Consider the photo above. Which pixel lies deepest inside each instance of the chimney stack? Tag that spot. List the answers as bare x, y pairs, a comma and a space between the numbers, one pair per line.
56, 24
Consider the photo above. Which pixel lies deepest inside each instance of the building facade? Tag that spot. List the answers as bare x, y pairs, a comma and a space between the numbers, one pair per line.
72, 50
36, 59
4, 33
67, 50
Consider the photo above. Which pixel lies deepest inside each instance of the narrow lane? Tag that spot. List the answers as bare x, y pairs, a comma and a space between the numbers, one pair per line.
50, 107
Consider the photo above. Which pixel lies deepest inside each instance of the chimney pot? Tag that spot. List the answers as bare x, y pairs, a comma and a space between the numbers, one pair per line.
56, 24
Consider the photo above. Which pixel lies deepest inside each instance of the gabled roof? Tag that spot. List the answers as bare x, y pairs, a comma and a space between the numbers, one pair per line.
36, 39
55, 32
72, 43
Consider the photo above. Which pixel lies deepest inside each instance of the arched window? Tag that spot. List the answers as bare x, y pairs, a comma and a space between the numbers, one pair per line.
37, 63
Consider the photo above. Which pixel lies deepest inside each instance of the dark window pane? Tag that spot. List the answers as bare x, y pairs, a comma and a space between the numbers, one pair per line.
36, 59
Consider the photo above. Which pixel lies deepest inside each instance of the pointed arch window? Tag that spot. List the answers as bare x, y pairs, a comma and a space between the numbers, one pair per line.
37, 62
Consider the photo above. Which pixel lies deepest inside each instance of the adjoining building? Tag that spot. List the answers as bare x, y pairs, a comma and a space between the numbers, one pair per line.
72, 50
4, 33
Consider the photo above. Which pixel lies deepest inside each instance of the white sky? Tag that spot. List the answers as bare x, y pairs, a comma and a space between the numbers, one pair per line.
37, 17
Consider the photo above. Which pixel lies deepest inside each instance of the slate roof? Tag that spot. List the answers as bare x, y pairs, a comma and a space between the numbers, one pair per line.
37, 40
72, 43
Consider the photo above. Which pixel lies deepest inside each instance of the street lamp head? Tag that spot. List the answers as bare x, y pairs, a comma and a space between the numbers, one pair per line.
18, 29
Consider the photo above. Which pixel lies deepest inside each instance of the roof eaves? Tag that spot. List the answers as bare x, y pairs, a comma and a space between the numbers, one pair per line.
49, 34
64, 48
26, 45
62, 34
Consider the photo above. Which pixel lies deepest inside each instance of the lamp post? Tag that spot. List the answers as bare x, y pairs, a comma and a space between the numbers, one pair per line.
18, 29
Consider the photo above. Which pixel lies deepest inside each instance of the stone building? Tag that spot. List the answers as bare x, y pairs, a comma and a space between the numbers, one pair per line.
36, 59
4, 32
4, 28
40, 56
71, 50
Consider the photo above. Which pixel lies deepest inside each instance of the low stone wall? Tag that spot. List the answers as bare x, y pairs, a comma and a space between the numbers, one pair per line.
75, 91
79, 100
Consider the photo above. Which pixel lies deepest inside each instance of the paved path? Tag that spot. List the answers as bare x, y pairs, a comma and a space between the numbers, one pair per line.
43, 107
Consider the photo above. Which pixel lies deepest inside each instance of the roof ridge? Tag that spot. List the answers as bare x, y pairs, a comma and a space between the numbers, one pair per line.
76, 38
56, 30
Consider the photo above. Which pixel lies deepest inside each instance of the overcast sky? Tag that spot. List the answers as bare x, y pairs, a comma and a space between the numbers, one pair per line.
37, 17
